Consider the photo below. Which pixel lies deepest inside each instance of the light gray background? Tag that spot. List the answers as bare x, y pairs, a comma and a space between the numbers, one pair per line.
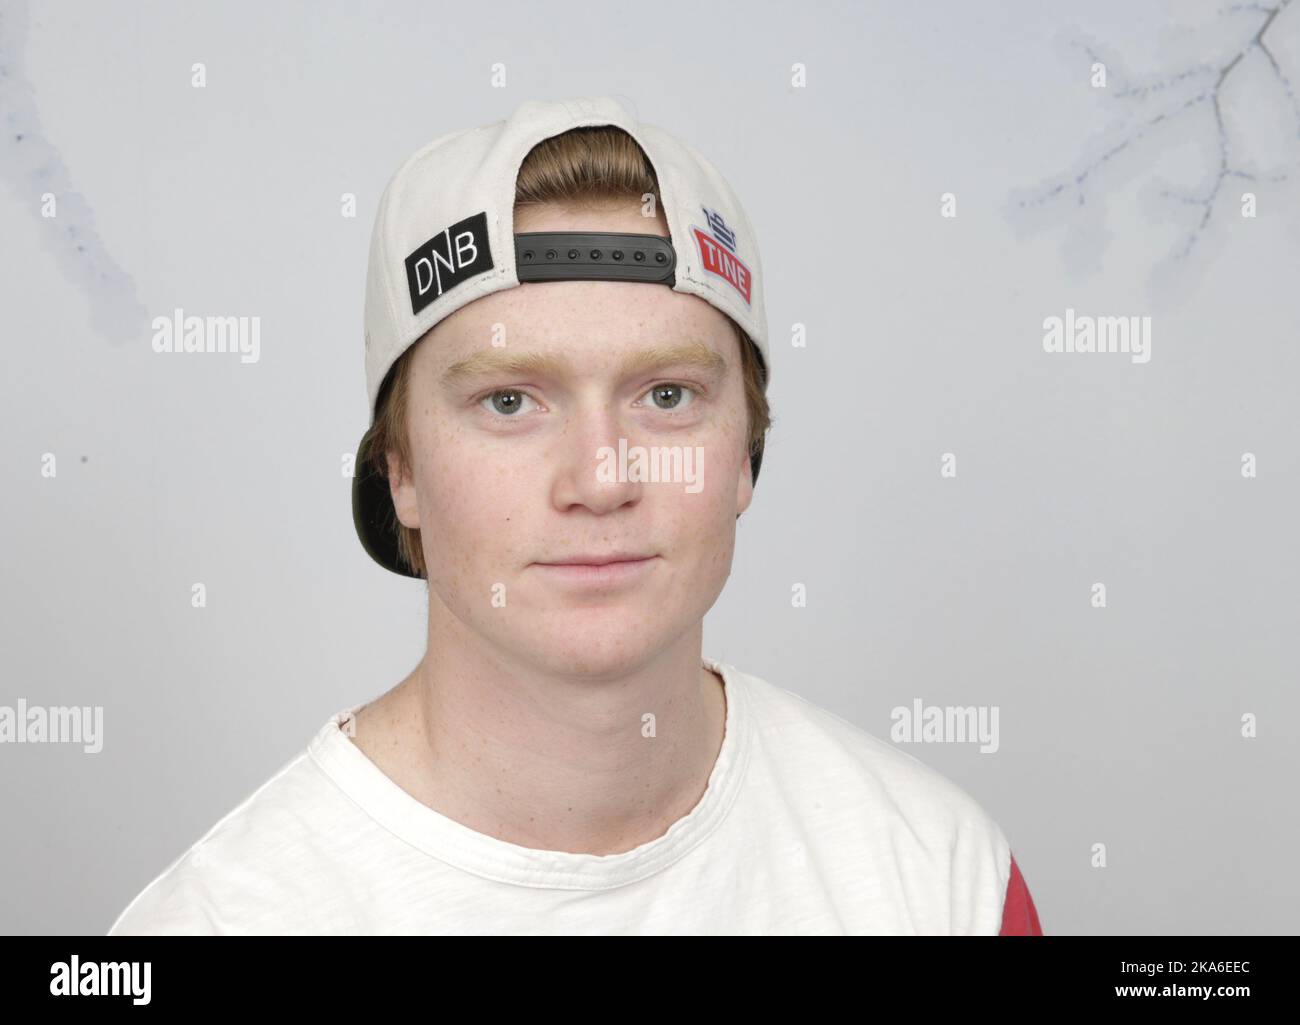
1119, 726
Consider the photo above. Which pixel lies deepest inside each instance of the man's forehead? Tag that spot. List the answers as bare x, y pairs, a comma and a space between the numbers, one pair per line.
555, 361
568, 327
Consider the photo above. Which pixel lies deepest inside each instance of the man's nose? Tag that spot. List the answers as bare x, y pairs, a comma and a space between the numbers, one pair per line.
591, 460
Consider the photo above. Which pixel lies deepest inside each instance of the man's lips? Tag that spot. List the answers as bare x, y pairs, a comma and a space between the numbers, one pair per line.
613, 572
597, 560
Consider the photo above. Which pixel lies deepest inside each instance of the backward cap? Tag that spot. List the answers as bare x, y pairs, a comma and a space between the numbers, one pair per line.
468, 173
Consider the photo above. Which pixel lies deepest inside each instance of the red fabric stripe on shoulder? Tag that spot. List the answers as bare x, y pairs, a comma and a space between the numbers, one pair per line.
1019, 916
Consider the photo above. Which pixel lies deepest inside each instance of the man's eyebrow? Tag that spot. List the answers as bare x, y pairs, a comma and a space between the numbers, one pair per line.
695, 355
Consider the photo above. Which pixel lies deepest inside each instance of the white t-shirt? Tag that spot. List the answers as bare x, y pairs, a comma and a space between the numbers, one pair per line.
807, 825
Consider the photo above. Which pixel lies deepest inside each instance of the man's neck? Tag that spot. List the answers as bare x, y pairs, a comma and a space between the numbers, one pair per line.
567, 763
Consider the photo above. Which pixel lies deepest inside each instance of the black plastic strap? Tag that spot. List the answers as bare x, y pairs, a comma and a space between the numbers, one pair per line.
594, 256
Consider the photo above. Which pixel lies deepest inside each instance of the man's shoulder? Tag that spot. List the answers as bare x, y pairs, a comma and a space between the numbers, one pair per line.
821, 753
257, 855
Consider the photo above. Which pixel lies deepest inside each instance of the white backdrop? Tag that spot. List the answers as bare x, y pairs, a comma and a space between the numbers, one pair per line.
1126, 777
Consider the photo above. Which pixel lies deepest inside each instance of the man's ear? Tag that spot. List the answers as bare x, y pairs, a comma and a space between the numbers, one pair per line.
745, 486
402, 489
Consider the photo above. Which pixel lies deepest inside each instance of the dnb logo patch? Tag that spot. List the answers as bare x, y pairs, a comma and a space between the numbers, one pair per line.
453, 255
718, 253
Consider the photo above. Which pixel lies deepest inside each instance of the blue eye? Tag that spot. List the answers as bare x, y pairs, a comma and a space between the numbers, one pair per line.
505, 408
672, 393
666, 398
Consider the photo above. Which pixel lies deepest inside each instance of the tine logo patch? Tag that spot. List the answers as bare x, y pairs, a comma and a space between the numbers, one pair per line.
453, 255
718, 254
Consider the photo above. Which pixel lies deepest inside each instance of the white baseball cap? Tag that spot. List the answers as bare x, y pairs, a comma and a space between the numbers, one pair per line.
444, 236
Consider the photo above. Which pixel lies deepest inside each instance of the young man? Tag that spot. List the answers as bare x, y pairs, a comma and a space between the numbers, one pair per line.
563, 759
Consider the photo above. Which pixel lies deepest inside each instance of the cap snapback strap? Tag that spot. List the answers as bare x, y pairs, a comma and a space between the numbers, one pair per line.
594, 256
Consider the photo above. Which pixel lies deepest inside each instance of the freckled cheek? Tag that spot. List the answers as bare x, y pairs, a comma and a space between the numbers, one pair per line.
703, 523
714, 519
475, 500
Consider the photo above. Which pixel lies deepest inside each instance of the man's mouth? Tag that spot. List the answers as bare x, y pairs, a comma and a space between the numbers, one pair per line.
599, 570
595, 559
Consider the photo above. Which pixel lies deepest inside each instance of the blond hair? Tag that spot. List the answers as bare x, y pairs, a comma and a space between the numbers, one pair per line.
583, 166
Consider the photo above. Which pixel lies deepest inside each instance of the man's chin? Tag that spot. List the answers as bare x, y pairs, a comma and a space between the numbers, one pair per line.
595, 653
